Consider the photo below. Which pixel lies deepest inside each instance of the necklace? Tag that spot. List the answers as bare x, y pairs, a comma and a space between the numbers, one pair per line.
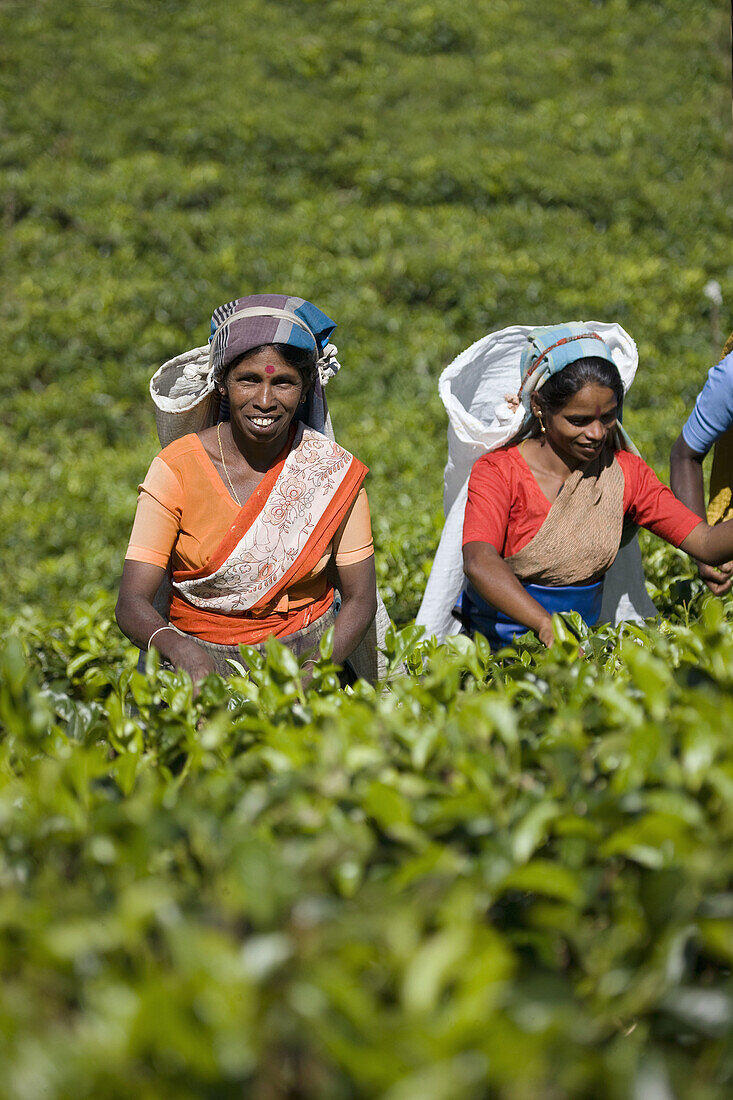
224, 465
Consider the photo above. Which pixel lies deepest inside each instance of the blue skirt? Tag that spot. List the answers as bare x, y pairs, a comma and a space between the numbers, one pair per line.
499, 630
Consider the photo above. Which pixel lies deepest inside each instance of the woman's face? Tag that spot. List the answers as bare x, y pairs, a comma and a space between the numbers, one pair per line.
581, 427
264, 392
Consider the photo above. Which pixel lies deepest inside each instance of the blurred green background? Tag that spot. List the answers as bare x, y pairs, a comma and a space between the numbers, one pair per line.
424, 172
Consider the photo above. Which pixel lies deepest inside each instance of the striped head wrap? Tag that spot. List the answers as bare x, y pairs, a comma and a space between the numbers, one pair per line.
246, 323
552, 348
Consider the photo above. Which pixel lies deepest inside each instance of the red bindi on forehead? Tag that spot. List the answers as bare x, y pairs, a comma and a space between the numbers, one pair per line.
269, 369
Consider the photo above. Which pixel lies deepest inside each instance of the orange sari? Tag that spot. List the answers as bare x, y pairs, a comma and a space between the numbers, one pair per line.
277, 538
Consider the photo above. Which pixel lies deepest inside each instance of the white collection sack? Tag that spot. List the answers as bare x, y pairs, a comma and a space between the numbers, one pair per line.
473, 389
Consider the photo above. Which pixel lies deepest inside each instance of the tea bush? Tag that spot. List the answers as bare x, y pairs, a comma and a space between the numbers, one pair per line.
504, 876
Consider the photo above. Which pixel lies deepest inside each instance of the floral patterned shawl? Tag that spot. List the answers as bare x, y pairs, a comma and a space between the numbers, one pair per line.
281, 532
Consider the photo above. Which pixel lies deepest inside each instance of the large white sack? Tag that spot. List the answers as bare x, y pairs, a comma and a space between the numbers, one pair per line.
473, 389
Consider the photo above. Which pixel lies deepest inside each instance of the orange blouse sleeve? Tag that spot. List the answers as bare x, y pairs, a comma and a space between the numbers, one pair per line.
353, 541
158, 516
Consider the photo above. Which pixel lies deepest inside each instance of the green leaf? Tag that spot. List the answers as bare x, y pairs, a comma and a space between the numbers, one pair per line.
545, 877
532, 830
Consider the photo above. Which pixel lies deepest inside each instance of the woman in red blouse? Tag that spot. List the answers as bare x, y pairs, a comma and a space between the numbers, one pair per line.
546, 513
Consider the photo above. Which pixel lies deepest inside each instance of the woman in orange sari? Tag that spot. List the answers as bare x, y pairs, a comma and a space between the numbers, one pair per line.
256, 512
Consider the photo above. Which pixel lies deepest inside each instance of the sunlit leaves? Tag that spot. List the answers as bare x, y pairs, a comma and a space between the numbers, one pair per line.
498, 862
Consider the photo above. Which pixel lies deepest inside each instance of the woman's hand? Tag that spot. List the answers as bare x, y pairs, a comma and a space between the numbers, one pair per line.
545, 633
495, 581
138, 619
718, 580
187, 655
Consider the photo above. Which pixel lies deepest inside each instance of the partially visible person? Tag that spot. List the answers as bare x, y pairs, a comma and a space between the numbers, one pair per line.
710, 424
258, 513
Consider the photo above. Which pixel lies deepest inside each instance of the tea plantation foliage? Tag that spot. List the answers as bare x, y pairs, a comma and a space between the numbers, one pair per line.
504, 876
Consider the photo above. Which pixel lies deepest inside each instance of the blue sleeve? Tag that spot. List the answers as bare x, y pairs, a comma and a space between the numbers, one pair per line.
713, 412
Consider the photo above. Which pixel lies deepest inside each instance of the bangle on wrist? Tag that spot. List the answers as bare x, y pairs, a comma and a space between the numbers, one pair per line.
158, 632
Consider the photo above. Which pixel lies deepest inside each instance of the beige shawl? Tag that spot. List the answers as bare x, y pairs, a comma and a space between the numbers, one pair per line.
581, 535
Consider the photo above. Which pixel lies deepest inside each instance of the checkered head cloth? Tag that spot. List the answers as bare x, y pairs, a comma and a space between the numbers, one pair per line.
246, 323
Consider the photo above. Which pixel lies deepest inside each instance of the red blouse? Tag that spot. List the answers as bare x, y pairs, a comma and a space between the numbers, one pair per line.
506, 506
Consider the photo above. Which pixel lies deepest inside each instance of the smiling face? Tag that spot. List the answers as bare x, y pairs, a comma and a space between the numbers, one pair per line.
264, 392
579, 430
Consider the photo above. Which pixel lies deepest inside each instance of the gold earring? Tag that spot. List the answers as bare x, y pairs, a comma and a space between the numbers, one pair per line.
542, 423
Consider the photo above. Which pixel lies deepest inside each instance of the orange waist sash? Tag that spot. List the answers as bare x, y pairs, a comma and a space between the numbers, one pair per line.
248, 629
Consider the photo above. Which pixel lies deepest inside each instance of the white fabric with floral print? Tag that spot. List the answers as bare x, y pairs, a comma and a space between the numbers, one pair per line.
312, 472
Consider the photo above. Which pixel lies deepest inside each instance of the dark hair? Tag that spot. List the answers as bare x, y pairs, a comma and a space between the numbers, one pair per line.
564, 385
302, 359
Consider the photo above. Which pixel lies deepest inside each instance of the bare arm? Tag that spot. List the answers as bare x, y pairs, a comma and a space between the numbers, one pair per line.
358, 587
495, 582
712, 545
685, 476
138, 619
686, 479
